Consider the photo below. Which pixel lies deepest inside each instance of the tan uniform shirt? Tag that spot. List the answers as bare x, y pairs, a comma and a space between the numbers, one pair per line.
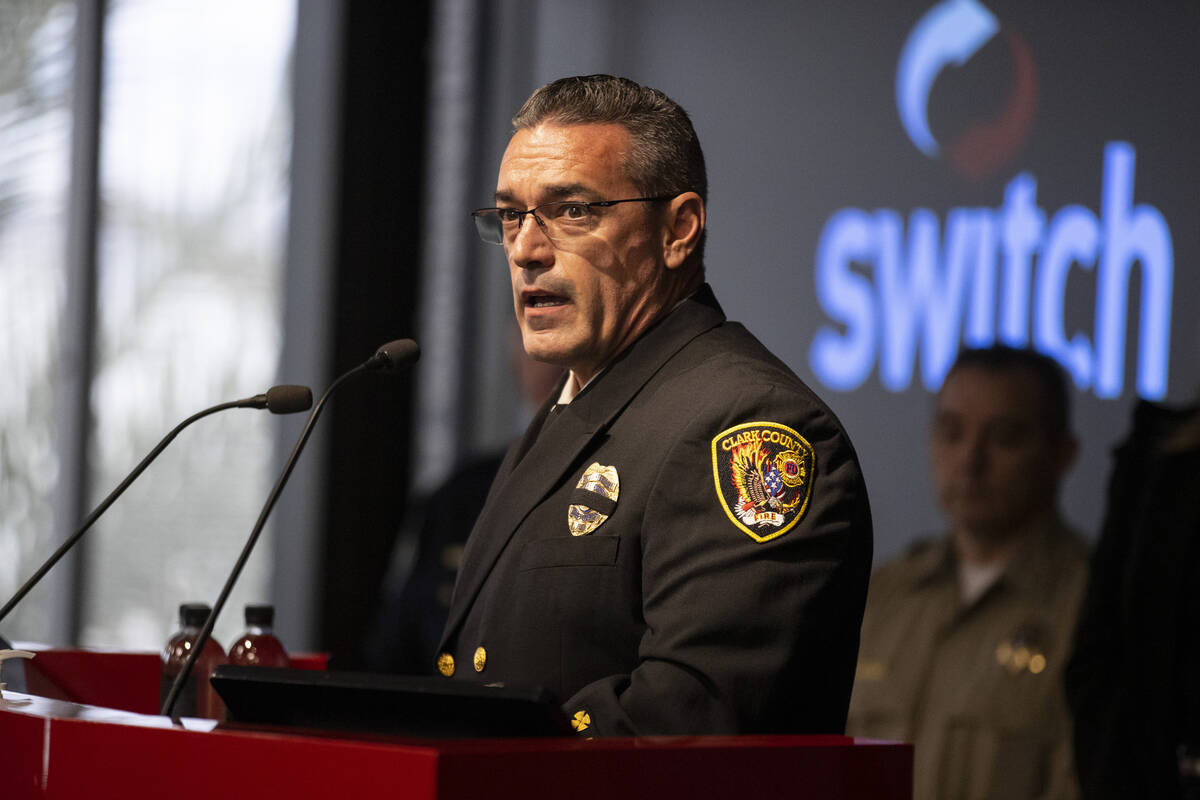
977, 687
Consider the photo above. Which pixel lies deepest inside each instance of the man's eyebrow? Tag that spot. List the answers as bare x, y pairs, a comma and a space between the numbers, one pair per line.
569, 190
550, 194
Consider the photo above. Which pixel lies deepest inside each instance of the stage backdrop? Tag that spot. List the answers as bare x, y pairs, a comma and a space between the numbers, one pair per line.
888, 182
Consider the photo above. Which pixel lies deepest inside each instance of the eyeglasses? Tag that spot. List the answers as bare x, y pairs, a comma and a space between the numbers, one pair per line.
561, 219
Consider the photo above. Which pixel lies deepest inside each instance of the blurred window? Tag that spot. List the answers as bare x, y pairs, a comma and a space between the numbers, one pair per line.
194, 177
36, 40
195, 143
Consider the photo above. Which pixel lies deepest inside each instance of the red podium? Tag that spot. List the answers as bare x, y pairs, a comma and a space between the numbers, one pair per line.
58, 748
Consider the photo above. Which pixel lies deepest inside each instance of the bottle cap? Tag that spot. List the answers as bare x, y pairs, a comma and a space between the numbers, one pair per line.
260, 615
193, 615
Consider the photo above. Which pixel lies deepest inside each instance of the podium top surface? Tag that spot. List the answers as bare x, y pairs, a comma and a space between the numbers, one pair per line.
42, 708
59, 748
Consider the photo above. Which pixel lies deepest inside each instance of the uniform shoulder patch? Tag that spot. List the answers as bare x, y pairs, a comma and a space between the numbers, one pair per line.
763, 472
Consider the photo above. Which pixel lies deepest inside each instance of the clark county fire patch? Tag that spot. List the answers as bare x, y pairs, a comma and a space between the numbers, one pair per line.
763, 472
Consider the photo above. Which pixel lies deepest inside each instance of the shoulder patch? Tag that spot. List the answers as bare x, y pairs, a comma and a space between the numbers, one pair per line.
763, 472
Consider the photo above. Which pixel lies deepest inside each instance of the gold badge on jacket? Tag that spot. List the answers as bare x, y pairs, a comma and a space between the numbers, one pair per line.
594, 499
763, 472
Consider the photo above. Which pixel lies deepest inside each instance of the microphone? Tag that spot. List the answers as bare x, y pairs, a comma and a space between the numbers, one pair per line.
395, 356
277, 400
391, 357
284, 399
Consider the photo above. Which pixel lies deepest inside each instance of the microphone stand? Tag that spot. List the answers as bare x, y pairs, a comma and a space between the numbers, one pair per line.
382, 359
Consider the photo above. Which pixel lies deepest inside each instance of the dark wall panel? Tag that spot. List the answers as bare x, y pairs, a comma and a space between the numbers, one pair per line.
376, 283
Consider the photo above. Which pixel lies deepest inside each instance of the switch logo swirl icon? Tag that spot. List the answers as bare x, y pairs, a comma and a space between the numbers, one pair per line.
949, 35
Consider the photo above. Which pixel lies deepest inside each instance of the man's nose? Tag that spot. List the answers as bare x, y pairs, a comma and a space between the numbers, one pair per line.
974, 455
531, 248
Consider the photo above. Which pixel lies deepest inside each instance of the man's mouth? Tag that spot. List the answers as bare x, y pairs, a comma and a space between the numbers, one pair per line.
544, 300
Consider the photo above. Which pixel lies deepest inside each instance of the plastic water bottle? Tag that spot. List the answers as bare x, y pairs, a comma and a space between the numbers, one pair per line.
197, 698
258, 646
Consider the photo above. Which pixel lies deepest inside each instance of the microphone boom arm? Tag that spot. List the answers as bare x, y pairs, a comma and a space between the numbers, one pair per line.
391, 357
205, 632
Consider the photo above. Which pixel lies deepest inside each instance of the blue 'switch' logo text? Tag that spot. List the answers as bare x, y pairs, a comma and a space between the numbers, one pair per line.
932, 289
895, 287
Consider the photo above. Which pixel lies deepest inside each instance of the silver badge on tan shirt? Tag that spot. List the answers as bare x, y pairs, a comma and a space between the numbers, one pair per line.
594, 499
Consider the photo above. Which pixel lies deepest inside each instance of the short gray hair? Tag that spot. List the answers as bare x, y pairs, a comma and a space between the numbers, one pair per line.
665, 156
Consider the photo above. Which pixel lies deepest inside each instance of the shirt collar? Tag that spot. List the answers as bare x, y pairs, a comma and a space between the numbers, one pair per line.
1031, 565
571, 387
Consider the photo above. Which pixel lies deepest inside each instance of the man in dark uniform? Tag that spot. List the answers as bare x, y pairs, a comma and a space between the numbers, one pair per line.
681, 541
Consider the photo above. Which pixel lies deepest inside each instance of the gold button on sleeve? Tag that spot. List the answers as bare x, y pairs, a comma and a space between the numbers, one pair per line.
480, 659
445, 664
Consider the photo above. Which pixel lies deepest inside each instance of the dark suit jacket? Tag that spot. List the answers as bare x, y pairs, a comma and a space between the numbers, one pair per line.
672, 616
1133, 682
412, 614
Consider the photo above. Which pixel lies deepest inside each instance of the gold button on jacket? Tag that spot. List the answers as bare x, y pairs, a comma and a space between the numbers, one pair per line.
445, 664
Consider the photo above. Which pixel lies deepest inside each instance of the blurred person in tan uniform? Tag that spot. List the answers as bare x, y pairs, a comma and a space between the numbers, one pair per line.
965, 636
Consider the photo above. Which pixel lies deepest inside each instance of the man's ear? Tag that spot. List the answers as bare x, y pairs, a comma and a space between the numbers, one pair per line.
682, 228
